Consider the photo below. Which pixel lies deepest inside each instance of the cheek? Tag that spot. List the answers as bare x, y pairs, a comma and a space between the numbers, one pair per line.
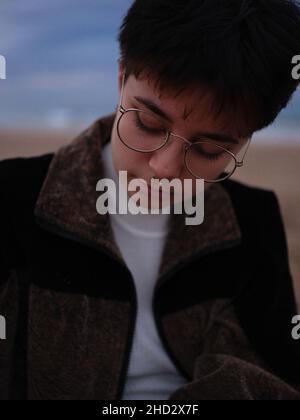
125, 159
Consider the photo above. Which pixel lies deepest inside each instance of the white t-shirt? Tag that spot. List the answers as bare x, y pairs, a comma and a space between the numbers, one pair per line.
141, 238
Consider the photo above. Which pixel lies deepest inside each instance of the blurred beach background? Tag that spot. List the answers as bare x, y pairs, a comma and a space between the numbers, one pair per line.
62, 75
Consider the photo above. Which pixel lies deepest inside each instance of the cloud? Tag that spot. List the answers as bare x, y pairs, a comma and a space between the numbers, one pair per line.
61, 54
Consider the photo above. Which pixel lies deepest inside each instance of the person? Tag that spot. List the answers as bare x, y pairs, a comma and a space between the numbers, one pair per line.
143, 306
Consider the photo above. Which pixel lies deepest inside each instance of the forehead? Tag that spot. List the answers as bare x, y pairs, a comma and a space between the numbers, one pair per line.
193, 107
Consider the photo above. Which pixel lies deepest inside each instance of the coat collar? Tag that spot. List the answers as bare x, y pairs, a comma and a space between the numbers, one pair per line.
67, 205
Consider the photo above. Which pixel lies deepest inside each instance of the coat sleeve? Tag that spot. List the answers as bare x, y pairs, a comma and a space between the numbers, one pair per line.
228, 367
267, 306
12, 204
12, 349
5, 232
4, 310
252, 354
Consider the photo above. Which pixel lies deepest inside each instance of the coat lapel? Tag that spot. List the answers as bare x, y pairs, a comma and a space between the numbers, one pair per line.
94, 330
67, 204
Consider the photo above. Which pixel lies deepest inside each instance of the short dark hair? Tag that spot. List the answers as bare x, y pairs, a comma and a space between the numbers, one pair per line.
240, 50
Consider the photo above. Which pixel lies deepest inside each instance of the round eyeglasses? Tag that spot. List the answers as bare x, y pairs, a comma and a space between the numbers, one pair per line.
143, 132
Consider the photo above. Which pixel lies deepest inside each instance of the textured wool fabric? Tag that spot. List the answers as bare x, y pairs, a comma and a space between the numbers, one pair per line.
223, 300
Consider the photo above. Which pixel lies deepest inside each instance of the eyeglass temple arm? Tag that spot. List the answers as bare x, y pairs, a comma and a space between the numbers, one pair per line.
241, 162
122, 91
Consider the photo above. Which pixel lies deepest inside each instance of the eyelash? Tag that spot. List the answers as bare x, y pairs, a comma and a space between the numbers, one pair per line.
141, 126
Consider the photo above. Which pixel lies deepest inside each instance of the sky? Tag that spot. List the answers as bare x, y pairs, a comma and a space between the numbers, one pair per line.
61, 59
62, 64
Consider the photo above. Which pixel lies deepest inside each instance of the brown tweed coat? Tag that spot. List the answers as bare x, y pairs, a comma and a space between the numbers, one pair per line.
223, 301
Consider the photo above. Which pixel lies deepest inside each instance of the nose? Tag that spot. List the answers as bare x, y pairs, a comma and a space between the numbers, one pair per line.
167, 162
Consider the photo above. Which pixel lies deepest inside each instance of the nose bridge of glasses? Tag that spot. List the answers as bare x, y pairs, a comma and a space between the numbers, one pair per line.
186, 141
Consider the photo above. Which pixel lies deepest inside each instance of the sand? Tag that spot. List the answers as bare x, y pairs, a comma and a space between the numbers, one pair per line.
273, 167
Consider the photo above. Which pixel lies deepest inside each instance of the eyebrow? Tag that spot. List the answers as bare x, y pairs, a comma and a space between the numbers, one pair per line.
226, 138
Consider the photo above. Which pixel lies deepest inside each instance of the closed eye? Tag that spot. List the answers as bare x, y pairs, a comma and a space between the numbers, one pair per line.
141, 126
199, 149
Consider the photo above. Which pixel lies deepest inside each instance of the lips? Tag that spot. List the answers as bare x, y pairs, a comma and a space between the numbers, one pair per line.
147, 189
154, 191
